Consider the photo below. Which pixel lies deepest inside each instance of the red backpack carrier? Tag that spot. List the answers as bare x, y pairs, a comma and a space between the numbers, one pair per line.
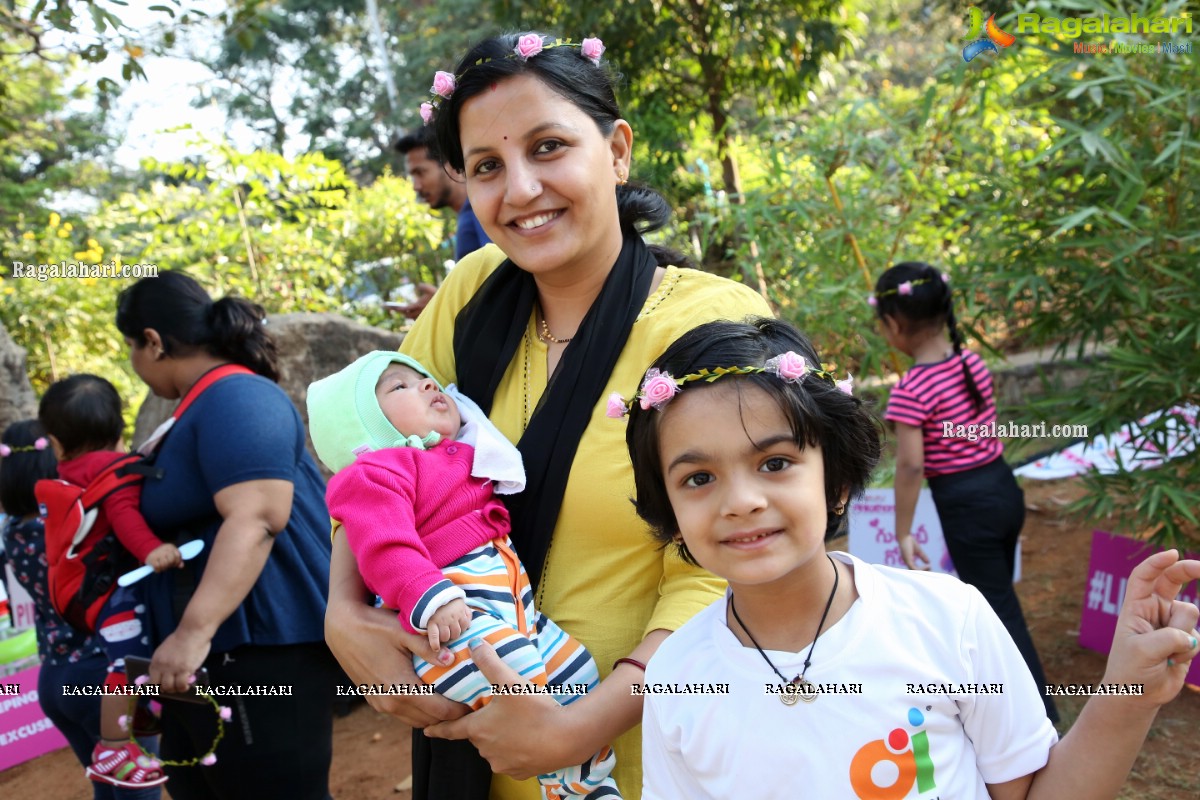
86, 559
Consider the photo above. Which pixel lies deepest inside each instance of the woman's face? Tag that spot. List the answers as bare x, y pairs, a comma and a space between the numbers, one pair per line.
150, 368
541, 178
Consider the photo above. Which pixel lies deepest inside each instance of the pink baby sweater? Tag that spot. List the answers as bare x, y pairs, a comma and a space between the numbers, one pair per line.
407, 513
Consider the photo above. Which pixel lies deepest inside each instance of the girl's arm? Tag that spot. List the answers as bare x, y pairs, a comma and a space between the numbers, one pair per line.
556, 735
910, 474
252, 513
1153, 647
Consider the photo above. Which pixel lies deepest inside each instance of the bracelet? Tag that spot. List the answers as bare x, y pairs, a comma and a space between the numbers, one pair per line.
631, 661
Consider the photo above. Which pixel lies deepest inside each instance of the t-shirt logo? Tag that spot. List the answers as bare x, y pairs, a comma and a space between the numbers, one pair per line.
887, 769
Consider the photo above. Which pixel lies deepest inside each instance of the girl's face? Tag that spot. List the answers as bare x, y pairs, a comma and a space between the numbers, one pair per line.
749, 502
414, 405
541, 177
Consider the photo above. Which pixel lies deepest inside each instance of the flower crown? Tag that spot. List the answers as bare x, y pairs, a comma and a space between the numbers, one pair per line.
659, 387
224, 714
528, 46
40, 443
905, 289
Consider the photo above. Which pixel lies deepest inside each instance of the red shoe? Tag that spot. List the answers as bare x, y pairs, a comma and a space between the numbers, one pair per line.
127, 766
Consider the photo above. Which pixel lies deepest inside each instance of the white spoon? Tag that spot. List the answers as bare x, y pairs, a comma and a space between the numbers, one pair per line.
188, 550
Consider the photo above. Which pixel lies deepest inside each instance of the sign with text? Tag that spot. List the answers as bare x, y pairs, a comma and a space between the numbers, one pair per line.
25, 731
873, 537
1112, 560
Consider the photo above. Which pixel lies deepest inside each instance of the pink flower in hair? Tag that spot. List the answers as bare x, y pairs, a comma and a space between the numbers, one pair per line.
592, 49
872, 301
657, 390
528, 46
41, 443
443, 84
209, 759
789, 366
616, 406
905, 288
426, 113
945, 278
5, 451
226, 713
847, 385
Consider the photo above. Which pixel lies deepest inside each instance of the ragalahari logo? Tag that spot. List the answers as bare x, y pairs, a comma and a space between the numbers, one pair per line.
993, 35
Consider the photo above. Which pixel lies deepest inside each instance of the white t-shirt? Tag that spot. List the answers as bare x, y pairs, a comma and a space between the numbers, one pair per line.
926, 696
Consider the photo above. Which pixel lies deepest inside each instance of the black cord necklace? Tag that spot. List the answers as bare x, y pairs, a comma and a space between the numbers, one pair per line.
798, 688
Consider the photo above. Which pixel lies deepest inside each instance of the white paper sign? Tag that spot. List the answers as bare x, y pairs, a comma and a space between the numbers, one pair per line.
873, 535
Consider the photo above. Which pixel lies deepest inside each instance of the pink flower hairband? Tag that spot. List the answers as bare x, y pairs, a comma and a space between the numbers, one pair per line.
528, 46
40, 443
659, 387
905, 289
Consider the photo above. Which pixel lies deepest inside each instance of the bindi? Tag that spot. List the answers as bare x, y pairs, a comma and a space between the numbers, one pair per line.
492, 86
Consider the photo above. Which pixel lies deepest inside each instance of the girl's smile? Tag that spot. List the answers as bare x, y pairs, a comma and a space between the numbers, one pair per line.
750, 503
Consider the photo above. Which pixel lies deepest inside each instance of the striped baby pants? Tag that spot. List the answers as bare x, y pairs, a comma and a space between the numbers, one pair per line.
501, 602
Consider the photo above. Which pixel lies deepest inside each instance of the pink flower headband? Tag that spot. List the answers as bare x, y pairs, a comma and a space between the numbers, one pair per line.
40, 443
659, 387
905, 289
528, 46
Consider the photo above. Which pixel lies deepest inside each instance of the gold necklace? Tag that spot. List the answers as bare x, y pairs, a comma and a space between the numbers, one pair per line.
545, 335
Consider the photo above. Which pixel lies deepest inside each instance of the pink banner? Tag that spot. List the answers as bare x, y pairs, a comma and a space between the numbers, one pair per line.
25, 732
1112, 560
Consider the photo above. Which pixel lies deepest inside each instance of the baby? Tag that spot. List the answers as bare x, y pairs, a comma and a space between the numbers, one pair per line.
416, 471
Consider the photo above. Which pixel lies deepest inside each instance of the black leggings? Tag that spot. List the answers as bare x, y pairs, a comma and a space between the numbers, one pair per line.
275, 746
982, 511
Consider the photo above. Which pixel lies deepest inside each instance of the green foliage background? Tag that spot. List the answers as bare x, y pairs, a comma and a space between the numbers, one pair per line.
1058, 190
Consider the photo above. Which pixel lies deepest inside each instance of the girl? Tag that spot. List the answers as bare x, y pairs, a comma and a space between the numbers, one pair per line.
827, 676
413, 486
980, 505
69, 657
82, 415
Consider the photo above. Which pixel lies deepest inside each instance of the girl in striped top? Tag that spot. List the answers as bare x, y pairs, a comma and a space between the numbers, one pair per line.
943, 411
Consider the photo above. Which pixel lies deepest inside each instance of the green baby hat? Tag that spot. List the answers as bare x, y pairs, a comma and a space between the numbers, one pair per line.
344, 417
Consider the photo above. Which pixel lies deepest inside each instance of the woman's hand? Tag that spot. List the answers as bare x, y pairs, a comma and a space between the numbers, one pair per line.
373, 649
545, 744
176, 660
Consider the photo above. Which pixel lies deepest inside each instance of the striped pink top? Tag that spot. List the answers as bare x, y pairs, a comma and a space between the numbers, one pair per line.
931, 395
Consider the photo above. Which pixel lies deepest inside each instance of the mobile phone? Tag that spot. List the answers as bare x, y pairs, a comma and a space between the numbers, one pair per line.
136, 666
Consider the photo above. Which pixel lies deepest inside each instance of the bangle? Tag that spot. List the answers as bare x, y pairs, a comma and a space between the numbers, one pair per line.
631, 661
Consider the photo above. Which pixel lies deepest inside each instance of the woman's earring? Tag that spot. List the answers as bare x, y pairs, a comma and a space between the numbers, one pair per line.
621, 180
840, 508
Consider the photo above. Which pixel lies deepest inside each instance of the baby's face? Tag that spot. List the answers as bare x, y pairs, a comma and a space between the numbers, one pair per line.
413, 404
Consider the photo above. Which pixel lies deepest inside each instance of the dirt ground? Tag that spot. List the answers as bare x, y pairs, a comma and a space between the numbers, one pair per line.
371, 751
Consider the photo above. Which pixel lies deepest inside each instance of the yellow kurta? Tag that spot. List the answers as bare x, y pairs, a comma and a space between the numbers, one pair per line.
605, 580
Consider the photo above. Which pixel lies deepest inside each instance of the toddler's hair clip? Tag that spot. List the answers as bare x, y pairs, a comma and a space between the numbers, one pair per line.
40, 443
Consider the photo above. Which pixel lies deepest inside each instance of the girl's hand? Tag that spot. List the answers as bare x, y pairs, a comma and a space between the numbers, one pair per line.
546, 742
1156, 638
910, 551
373, 649
164, 557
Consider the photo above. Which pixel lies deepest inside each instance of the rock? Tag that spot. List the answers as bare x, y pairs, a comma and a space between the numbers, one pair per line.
311, 346
17, 401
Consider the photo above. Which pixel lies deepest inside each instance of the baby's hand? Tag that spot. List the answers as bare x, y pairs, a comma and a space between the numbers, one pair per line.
1156, 639
448, 623
164, 556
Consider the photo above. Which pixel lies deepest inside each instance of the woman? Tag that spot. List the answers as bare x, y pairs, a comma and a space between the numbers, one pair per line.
577, 310
69, 657
234, 472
